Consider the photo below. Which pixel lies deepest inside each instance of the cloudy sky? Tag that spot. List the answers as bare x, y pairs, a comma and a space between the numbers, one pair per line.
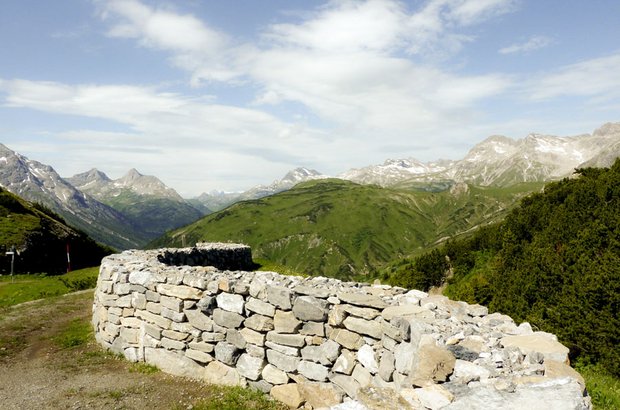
225, 95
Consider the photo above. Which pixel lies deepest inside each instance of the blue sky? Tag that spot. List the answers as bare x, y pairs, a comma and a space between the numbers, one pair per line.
229, 94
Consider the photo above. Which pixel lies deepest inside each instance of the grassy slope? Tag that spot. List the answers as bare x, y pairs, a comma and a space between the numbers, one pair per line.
17, 219
24, 288
341, 229
41, 236
153, 216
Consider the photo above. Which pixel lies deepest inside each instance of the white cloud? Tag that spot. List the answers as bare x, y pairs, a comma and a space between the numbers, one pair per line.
468, 12
534, 43
166, 130
597, 77
344, 27
344, 62
359, 66
196, 47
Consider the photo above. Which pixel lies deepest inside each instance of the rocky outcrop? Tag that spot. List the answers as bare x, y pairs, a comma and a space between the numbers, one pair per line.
317, 342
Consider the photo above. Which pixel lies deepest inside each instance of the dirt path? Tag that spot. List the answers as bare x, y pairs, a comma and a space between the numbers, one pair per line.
38, 370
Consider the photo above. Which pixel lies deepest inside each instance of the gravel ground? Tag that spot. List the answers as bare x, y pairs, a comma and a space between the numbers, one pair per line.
37, 372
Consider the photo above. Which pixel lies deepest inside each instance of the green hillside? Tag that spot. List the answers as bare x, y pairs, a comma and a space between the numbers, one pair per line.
342, 229
554, 261
152, 216
41, 237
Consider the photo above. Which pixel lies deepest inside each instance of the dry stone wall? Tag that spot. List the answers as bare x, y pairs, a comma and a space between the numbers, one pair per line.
320, 342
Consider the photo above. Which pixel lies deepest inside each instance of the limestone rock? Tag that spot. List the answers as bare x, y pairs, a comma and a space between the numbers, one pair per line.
556, 394
288, 394
230, 302
433, 364
363, 300
259, 323
179, 291
386, 366
366, 327
174, 363
287, 350
555, 369
405, 353
234, 337
541, 342
252, 336
376, 398
250, 367
227, 319
285, 322
282, 361
337, 314
346, 338
466, 372
362, 375
199, 320
312, 371
345, 363
325, 354
313, 328
366, 356
198, 356
219, 373
260, 307
226, 353
433, 396
309, 308
202, 346
320, 395
274, 375
279, 296
346, 383
286, 339
403, 310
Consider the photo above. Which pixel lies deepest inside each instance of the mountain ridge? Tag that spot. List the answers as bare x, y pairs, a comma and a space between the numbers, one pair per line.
500, 160
40, 183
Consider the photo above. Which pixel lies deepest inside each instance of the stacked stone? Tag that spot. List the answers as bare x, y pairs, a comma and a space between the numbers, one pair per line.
319, 341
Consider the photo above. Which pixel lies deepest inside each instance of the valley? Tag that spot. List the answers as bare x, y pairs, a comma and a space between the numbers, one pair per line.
345, 230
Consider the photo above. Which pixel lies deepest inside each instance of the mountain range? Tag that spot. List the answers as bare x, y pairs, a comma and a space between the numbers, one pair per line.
502, 161
496, 161
219, 200
150, 205
123, 213
135, 209
40, 183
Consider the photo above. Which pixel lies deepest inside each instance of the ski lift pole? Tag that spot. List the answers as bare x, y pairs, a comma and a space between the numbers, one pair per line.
12, 253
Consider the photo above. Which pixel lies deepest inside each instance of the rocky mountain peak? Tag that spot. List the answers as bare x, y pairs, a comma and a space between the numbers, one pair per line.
89, 178
607, 129
300, 174
131, 175
499, 160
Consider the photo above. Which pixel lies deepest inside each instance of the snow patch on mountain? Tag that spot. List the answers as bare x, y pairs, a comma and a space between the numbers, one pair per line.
499, 160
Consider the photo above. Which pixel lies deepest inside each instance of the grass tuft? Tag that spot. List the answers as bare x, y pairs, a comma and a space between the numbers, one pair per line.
236, 398
603, 387
77, 333
144, 368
